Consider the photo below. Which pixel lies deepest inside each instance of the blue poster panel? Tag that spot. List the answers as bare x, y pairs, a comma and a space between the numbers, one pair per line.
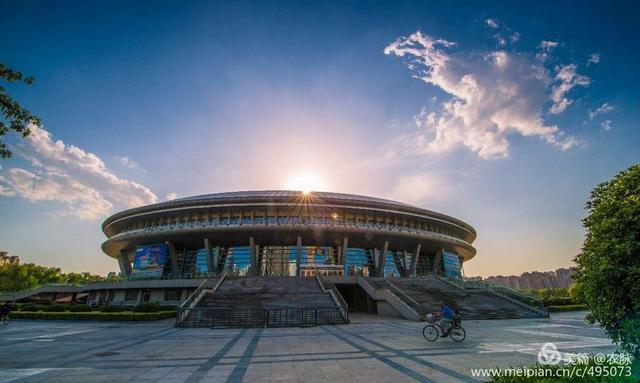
150, 260
451, 264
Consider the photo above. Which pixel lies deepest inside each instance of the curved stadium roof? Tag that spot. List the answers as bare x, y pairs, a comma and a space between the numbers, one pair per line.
280, 196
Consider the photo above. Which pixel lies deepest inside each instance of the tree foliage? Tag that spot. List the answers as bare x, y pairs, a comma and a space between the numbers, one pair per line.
608, 269
14, 277
14, 116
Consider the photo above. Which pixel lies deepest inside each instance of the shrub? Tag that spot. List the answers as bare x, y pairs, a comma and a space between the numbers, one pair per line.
113, 309
56, 308
28, 307
79, 308
148, 307
567, 308
95, 315
34, 307
559, 301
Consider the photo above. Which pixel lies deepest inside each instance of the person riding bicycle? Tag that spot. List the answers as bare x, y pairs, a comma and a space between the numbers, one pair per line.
457, 318
446, 317
5, 310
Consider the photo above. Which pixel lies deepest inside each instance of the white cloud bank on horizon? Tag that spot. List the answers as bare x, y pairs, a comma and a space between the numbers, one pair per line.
492, 96
71, 176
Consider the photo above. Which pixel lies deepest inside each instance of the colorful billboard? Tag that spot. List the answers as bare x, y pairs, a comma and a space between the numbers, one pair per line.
451, 264
150, 260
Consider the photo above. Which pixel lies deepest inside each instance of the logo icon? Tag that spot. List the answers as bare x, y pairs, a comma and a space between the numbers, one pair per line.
549, 354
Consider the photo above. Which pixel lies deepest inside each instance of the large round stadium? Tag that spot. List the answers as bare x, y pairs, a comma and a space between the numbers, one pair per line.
289, 258
286, 233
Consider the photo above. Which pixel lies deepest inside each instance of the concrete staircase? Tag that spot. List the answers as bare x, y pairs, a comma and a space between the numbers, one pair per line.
271, 292
242, 302
473, 303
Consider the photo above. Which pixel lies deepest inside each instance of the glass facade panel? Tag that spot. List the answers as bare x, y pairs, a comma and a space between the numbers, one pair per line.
359, 261
201, 261
390, 266
237, 260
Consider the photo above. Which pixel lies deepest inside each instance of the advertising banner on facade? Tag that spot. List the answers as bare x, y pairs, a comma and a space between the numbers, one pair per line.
451, 264
150, 260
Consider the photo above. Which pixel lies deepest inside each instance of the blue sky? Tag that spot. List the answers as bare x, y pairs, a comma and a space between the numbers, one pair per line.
504, 115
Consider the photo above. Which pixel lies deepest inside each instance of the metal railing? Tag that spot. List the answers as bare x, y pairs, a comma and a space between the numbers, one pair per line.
342, 304
132, 277
189, 304
289, 221
514, 294
250, 317
403, 296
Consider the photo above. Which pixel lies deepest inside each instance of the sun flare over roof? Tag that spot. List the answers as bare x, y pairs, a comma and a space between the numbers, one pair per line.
307, 182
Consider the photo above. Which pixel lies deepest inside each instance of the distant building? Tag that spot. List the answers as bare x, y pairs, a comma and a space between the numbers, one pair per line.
560, 278
6, 259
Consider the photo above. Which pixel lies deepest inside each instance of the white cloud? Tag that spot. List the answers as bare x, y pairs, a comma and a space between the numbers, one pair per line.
546, 47
171, 196
503, 34
490, 99
71, 176
606, 125
567, 78
492, 23
603, 109
130, 164
594, 58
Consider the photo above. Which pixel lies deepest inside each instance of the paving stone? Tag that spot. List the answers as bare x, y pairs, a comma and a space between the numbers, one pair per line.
369, 350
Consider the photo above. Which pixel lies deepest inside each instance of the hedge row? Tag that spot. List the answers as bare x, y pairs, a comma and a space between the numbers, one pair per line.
567, 308
150, 307
560, 301
94, 315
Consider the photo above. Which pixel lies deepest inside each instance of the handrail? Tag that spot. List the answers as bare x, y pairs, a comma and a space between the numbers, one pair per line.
455, 282
341, 302
538, 310
362, 281
402, 295
185, 308
194, 294
517, 295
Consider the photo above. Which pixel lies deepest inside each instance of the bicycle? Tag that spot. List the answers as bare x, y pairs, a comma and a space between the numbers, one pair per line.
432, 332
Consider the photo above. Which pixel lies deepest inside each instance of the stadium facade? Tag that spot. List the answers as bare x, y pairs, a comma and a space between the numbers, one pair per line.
285, 233
278, 257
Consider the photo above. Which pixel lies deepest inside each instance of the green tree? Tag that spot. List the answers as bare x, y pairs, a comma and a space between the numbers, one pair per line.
14, 116
576, 293
608, 269
15, 277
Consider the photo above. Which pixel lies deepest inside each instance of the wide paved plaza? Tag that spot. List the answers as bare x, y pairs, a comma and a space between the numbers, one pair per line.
371, 349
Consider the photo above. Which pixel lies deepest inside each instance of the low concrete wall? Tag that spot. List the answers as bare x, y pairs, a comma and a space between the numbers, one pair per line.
386, 310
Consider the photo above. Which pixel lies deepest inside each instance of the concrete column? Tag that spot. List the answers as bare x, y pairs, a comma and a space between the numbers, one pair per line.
345, 245
216, 259
405, 265
254, 261
298, 255
383, 258
125, 266
414, 260
437, 262
257, 252
207, 250
174, 258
